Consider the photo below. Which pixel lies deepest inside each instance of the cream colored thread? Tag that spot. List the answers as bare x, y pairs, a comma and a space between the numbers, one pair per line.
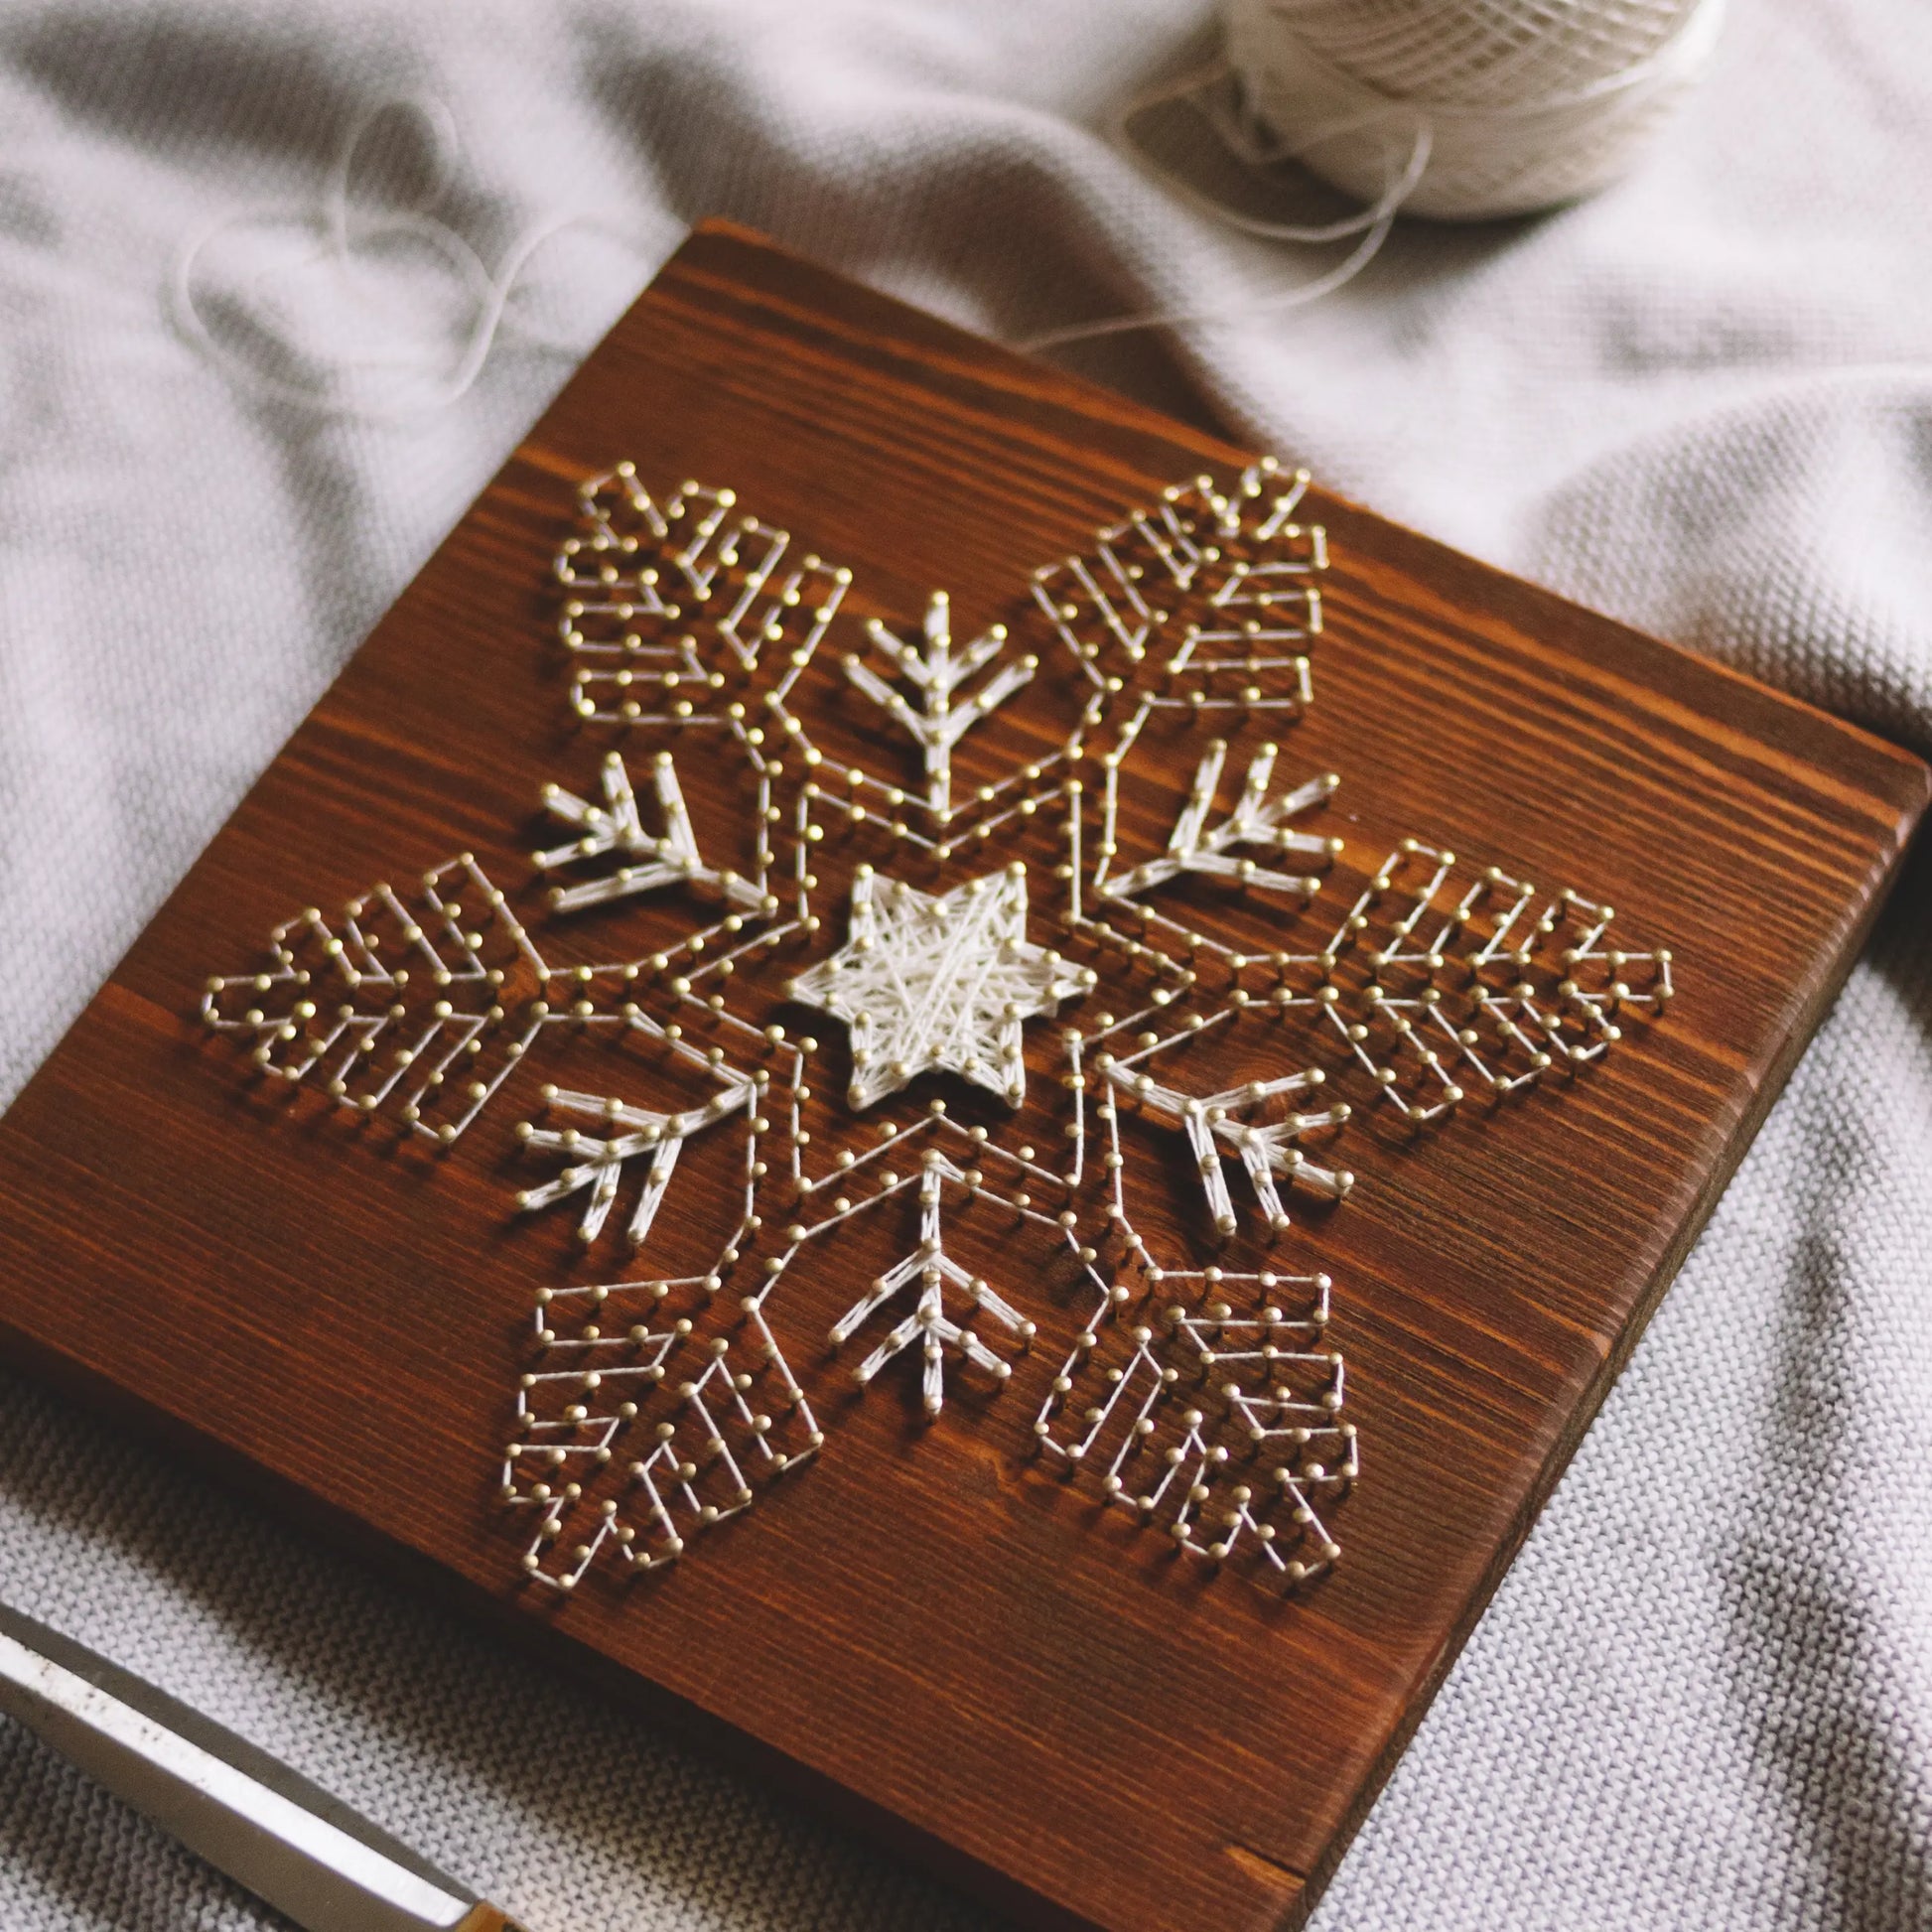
619, 590
1527, 104
939, 981
1434, 107
1248, 1472
343, 233
942, 719
1404, 169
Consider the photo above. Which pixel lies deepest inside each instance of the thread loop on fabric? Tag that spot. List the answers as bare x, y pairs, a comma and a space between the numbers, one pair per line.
1455, 109
421, 364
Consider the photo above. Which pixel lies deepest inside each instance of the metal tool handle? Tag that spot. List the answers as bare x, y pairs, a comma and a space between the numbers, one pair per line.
286, 1840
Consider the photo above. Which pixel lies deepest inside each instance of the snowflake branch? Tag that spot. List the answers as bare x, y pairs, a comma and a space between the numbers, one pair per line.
1193, 847
597, 1164
939, 724
617, 826
928, 1324
1214, 1129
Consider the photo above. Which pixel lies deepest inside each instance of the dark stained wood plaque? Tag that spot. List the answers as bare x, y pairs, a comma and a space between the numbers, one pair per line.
943, 1623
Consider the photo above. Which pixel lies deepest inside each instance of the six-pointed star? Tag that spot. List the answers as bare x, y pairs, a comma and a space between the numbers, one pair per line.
945, 982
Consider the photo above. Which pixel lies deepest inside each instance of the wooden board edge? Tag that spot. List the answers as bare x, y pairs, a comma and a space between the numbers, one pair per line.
822, 1792
737, 246
1912, 843
502, 1617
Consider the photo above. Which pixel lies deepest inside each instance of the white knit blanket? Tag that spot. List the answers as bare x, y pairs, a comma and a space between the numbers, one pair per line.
1703, 1698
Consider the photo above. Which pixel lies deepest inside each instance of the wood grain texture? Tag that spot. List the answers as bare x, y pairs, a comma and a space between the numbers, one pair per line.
924, 1629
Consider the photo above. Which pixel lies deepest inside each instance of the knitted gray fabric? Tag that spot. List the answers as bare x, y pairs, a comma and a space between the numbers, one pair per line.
1704, 1696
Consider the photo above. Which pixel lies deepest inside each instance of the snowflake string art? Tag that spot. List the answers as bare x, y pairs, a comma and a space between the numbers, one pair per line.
1009, 1043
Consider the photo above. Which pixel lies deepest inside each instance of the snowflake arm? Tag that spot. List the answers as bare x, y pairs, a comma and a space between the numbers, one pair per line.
936, 673
597, 1165
654, 861
928, 1325
1255, 820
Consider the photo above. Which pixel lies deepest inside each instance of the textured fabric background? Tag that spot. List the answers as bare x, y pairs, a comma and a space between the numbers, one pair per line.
1703, 1698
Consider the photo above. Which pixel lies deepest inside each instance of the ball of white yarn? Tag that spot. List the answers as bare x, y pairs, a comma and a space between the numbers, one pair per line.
1520, 103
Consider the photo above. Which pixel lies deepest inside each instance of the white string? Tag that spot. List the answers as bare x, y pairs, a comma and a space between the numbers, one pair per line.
1202, 90
663, 1403
1439, 107
348, 234
1530, 104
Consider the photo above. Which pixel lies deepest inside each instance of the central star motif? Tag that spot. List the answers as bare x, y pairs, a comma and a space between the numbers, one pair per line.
939, 982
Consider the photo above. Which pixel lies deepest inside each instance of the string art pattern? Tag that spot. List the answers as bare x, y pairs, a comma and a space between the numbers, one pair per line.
963, 995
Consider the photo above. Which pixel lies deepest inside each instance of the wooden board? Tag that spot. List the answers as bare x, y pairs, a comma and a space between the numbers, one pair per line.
937, 1627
